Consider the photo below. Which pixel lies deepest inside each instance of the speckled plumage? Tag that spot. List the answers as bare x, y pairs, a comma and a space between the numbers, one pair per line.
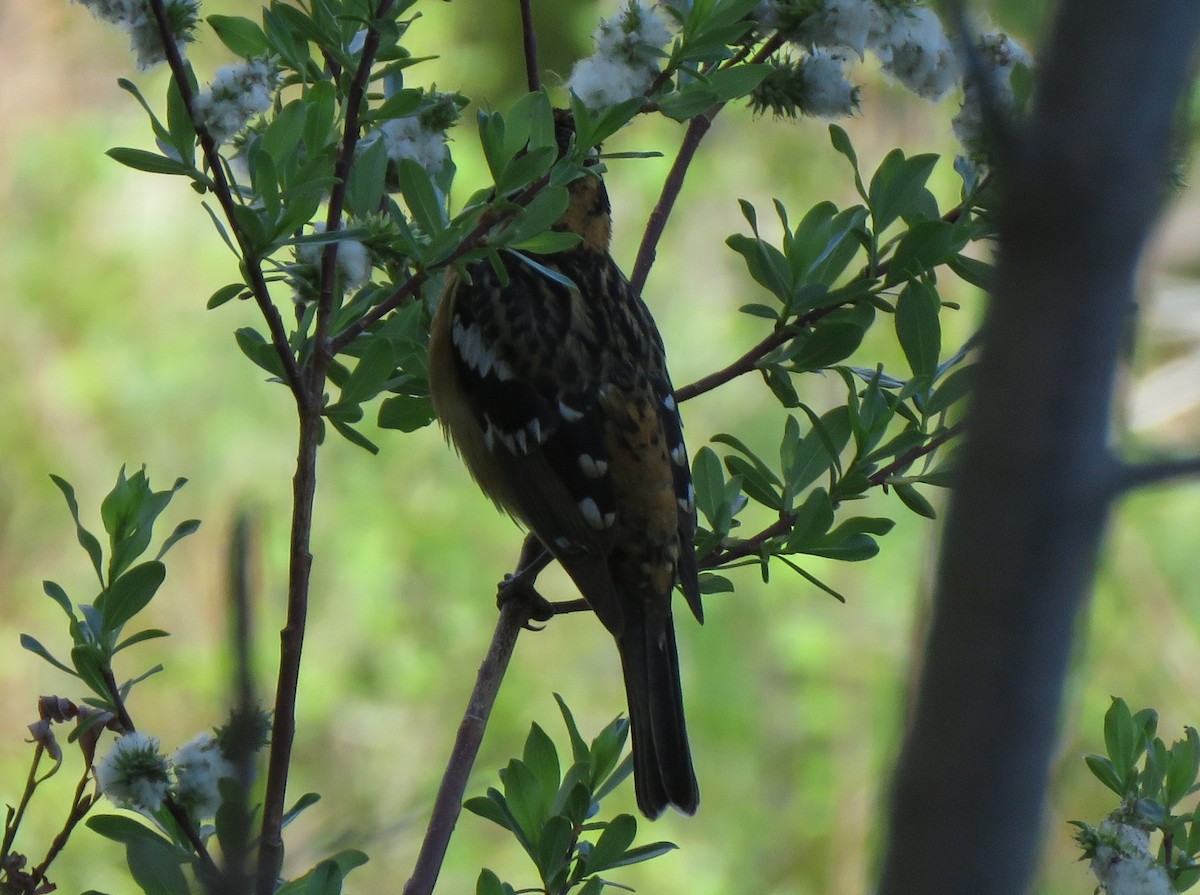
559, 401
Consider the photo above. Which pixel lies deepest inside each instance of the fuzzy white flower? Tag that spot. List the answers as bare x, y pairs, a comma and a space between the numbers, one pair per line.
134, 774
136, 19
408, 138
628, 33
845, 23
914, 49
1123, 863
236, 95
999, 55
600, 81
199, 765
353, 260
828, 93
624, 64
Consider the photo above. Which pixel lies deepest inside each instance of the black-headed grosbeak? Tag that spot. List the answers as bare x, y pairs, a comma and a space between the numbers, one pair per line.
559, 402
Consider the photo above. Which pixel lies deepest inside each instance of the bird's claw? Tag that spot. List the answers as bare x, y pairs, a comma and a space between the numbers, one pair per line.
515, 586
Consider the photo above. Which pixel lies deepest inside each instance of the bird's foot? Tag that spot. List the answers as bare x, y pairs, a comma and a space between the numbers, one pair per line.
519, 586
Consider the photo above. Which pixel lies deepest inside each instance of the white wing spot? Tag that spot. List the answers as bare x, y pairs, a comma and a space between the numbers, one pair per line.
563, 543
569, 413
535, 430
592, 468
679, 455
669, 402
522, 441
609, 519
591, 513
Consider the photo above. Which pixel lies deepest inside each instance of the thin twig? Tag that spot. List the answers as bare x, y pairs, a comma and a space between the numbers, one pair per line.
251, 265
80, 806
514, 614
1130, 476
337, 198
908, 458
672, 186
529, 40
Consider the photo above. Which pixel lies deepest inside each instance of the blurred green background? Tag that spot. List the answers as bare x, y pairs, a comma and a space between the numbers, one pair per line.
796, 703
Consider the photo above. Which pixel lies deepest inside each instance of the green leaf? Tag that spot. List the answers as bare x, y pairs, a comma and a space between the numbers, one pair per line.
322, 109
554, 851
541, 758
179, 121
978, 273
579, 749
148, 634
618, 835
371, 373
953, 389
420, 196
87, 540
242, 36
829, 343
141, 160
259, 351
897, 186
58, 595
927, 245
182, 530
1104, 771
368, 179
709, 483
282, 135
490, 809
304, 802
408, 413
1182, 767
914, 500
130, 593
224, 294
1120, 736
35, 647
548, 242
538, 216
352, 435
811, 521
489, 884
918, 327
841, 142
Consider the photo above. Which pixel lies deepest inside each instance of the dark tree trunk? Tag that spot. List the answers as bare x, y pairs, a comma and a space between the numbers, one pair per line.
1082, 186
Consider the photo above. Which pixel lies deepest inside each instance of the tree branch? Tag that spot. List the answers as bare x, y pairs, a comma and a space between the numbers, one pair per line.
514, 615
1079, 194
1130, 476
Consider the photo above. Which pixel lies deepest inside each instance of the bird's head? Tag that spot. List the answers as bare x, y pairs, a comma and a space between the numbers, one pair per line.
589, 213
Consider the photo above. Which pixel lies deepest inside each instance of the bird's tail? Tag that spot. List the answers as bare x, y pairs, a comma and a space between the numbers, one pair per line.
662, 760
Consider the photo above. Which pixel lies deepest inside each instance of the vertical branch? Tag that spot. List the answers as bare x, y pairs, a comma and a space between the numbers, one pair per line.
514, 614
529, 40
291, 643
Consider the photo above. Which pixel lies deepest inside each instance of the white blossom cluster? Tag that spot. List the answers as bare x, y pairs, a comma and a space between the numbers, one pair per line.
135, 774
353, 261
236, 95
410, 138
626, 60
1123, 863
828, 93
135, 18
910, 43
999, 55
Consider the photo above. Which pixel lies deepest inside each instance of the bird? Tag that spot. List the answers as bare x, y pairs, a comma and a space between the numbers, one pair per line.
551, 382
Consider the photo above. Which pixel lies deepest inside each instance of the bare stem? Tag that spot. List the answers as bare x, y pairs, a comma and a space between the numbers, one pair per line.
291, 643
514, 614
529, 41
80, 805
